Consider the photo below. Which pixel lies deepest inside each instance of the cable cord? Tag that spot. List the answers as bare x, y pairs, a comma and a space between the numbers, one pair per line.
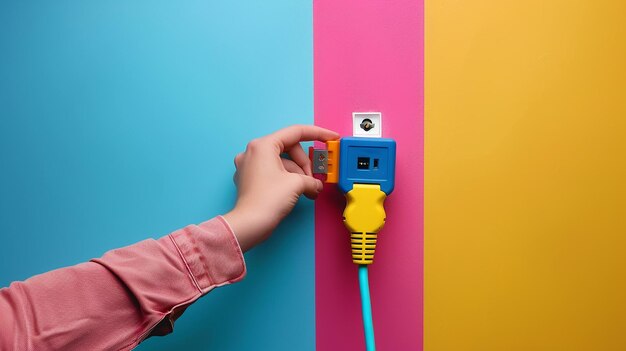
366, 306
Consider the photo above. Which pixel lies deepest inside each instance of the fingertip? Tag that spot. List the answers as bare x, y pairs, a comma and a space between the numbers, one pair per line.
327, 134
319, 184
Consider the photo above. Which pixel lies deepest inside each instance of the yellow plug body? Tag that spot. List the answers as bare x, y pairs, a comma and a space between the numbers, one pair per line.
364, 216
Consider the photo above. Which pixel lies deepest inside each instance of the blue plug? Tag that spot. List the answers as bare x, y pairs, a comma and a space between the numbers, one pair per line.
367, 161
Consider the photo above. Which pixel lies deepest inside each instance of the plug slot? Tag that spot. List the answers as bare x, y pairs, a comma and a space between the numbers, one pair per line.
363, 163
375, 165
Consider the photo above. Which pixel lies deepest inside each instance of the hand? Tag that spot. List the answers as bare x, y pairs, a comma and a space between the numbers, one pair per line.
269, 186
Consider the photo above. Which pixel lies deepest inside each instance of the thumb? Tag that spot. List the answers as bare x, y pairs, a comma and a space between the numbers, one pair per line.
309, 186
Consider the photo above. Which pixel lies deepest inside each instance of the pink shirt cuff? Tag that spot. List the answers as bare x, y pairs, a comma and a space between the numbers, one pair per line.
211, 253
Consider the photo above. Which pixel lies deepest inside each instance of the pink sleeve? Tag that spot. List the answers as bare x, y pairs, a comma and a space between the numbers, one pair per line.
115, 302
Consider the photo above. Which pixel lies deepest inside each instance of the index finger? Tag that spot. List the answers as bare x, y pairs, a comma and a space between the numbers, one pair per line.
290, 136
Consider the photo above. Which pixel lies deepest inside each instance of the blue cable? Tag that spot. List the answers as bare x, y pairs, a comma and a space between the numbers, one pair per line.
366, 306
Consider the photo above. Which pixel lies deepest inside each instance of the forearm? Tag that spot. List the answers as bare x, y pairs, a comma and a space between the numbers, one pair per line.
118, 300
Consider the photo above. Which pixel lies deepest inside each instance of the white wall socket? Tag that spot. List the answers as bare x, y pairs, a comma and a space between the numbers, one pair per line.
367, 124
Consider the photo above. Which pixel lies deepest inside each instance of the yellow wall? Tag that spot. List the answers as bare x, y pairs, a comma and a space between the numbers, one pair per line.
525, 194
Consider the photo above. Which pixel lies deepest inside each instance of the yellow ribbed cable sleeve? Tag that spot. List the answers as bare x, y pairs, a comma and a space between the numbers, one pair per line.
364, 216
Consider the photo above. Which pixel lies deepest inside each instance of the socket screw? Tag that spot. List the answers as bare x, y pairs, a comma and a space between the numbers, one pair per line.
367, 125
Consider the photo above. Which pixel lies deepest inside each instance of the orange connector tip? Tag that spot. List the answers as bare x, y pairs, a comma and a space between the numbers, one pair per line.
333, 161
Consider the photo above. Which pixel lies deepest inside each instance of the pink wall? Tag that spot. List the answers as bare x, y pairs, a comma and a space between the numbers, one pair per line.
368, 56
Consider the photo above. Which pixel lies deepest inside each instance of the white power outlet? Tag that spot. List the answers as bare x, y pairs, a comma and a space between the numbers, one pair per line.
367, 124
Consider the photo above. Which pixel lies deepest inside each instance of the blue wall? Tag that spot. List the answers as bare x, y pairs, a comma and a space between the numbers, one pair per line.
119, 121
